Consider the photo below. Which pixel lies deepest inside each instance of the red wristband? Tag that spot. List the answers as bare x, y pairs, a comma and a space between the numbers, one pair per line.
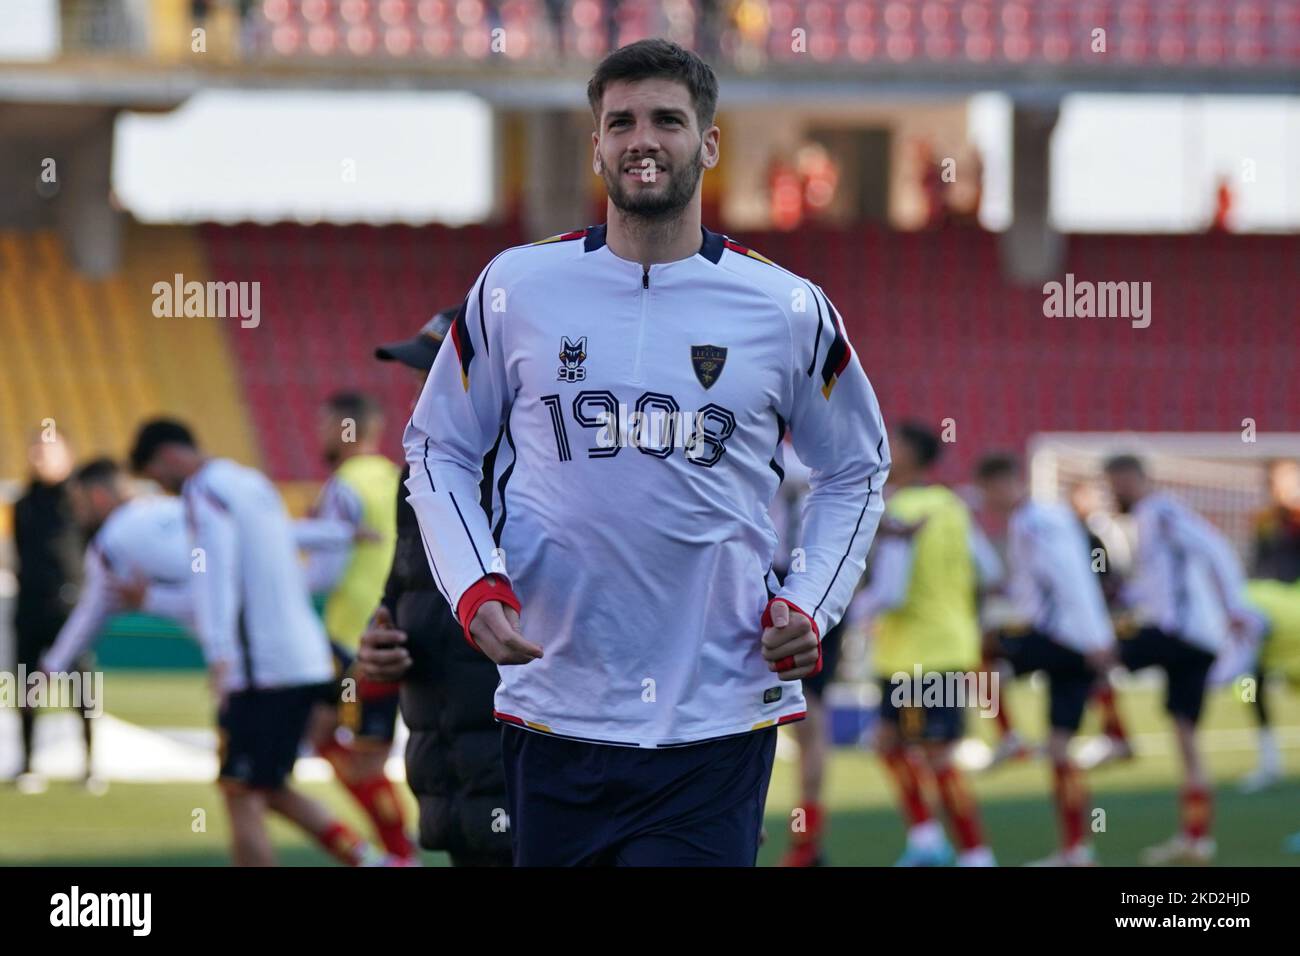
492, 587
787, 663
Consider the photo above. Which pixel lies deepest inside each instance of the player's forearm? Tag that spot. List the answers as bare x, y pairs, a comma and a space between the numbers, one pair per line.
838, 533
314, 534
453, 527
75, 637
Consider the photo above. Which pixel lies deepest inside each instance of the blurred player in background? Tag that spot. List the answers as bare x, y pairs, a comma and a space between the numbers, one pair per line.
813, 733
1104, 545
1275, 657
922, 597
138, 556
1276, 558
1063, 629
268, 657
1186, 594
348, 573
48, 545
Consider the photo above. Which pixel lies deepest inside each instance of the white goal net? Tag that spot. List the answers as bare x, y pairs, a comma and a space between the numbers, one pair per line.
1220, 474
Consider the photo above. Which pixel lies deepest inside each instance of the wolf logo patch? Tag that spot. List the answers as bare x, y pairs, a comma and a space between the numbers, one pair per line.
572, 355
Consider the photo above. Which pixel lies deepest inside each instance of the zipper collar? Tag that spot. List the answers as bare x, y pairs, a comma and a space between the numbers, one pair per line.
711, 247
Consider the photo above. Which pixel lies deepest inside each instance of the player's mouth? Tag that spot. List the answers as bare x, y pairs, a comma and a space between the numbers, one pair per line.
645, 173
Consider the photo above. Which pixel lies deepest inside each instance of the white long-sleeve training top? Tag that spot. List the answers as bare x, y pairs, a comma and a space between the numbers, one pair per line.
1187, 579
1050, 578
643, 412
252, 607
143, 539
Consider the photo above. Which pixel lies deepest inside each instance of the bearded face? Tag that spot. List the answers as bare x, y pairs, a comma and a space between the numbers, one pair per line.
649, 150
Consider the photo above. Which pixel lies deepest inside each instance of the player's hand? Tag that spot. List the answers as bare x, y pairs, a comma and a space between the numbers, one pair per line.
495, 629
1241, 626
790, 636
382, 655
131, 593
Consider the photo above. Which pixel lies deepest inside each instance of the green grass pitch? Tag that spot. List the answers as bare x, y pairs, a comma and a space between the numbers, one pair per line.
153, 824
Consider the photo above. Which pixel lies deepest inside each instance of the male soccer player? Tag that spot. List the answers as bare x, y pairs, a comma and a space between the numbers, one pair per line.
268, 657
349, 573
1276, 557
138, 556
922, 594
48, 547
1186, 595
1062, 628
808, 829
644, 372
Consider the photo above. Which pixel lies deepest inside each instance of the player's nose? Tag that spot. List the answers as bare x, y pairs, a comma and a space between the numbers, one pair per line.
645, 138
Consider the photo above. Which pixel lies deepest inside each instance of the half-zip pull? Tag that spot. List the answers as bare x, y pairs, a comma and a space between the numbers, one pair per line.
640, 331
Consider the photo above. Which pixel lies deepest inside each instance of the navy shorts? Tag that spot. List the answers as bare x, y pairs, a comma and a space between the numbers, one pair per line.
573, 803
260, 731
1186, 668
919, 722
370, 710
1069, 678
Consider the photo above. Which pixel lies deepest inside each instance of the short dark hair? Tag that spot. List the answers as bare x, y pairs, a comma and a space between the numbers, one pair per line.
153, 435
996, 465
98, 471
1124, 463
922, 440
357, 406
652, 58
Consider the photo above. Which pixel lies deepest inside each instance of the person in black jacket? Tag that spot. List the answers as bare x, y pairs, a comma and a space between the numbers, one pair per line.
453, 756
49, 546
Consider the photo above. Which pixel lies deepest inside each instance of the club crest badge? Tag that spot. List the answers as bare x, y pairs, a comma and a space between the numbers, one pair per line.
708, 361
572, 355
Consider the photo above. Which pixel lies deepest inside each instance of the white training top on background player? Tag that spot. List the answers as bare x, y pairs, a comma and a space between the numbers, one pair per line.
144, 539
252, 608
1188, 581
891, 572
643, 414
1050, 579
329, 535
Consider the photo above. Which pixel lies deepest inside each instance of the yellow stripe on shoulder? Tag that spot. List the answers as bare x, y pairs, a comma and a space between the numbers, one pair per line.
561, 237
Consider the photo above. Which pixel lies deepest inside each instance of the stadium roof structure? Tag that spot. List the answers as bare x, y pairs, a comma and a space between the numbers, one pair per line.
516, 54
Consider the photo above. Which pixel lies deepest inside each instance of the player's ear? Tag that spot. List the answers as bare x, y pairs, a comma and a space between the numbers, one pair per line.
595, 152
709, 147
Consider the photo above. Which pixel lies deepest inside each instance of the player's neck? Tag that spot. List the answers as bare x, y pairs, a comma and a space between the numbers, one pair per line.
653, 241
